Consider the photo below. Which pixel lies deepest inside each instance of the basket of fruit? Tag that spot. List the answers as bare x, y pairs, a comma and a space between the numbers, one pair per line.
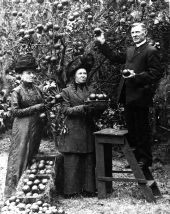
37, 181
99, 101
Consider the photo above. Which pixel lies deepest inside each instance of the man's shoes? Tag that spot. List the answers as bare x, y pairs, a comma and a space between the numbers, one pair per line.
140, 163
144, 163
133, 149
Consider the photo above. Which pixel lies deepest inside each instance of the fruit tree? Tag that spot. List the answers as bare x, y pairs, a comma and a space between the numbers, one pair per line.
60, 31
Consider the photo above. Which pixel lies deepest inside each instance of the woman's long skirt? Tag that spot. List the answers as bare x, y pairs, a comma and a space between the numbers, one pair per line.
79, 173
26, 137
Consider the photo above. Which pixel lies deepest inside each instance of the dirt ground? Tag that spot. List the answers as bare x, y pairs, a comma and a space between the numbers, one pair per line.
125, 199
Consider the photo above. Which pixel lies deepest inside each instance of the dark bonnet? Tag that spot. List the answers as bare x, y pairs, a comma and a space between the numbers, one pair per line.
79, 62
26, 61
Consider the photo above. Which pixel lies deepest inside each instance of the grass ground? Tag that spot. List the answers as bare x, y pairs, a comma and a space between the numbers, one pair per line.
125, 199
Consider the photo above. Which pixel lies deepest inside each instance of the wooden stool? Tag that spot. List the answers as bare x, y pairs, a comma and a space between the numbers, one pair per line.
118, 137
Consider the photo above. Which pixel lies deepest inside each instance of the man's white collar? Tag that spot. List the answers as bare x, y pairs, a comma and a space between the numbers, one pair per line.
139, 44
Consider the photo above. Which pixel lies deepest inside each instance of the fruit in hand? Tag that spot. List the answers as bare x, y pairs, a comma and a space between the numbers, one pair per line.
126, 73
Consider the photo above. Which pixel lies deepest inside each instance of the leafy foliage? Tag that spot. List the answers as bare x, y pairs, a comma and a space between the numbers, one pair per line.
59, 31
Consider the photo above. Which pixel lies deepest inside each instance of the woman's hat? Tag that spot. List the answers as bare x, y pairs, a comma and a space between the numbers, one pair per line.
79, 62
72, 67
26, 61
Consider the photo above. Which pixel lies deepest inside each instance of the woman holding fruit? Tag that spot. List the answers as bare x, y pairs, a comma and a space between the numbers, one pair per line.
26, 106
77, 144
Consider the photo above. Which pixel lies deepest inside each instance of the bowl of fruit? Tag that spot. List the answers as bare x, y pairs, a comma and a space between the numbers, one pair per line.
98, 100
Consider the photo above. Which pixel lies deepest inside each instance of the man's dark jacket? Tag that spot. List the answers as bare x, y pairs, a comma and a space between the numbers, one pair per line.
145, 61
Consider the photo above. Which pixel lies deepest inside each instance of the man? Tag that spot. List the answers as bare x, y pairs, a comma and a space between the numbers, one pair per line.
141, 72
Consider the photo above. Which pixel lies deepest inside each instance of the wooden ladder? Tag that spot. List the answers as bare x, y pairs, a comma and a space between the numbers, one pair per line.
143, 176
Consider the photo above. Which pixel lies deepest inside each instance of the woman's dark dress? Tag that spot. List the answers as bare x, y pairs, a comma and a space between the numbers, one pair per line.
77, 146
26, 133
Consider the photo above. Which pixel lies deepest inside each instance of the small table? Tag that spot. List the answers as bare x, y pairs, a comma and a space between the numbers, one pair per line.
118, 137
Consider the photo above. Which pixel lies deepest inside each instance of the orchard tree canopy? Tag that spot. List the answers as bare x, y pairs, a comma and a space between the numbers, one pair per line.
60, 31
57, 31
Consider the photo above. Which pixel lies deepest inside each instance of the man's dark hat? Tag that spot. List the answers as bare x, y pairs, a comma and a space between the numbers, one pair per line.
26, 61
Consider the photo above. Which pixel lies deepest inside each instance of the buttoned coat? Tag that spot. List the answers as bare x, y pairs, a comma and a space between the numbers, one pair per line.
79, 138
26, 133
145, 61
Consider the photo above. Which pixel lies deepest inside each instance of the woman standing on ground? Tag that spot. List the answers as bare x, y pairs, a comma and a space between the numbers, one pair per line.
77, 146
26, 104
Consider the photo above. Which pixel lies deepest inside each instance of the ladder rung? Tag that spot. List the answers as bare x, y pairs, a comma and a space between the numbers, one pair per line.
115, 143
122, 171
140, 181
150, 182
46, 156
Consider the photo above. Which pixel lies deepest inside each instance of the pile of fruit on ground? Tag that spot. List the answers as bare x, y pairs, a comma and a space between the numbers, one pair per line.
35, 189
16, 205
38, 180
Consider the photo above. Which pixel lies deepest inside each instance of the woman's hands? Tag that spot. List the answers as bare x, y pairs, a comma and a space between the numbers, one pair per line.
43, 106
31, 110
127, 73
89, 108
95, 107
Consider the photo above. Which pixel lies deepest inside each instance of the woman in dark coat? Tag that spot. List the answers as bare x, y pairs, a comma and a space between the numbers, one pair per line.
77, 146
26, 104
